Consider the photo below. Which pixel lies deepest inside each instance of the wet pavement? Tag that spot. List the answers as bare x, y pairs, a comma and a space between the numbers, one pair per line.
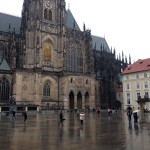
41, 132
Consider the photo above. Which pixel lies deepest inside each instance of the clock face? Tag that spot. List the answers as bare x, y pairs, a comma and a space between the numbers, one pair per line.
48, 4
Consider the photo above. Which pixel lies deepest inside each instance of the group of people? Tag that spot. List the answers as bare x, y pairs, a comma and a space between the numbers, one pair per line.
81, 116
130, 112
24, 114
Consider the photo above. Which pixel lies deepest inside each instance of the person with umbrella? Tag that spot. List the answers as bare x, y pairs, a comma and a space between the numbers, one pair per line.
82, 115
135, 116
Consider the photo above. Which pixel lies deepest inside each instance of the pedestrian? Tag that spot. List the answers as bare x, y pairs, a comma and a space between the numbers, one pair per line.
129, 114
93, 109
82, 115
78, 114
14, 114
98, 110
135, 115
61, 118
25, 116
109, 112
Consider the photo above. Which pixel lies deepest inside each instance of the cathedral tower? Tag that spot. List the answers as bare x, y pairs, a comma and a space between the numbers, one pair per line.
42, 31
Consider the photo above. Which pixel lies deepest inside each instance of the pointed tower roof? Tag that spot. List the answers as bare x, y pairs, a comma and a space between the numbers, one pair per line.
7, 21
99, 41
71, 22
4, 65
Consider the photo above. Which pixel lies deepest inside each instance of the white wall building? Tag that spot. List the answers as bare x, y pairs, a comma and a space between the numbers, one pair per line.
136, 84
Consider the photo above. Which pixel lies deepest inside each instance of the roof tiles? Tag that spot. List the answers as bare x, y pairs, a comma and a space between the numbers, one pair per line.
138, 66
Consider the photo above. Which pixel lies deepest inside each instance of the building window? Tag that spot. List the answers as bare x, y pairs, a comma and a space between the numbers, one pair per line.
50, 15
138, 96
128, 86
47, 50
45, 14
46, 89
137, 75
86, 81
74, 57
146, 95
4, 89
145, 84
137, 85
145, 74
128, 98
71, 80
127, 77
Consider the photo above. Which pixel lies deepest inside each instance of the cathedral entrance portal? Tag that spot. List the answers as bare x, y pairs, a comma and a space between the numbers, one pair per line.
71, 100
87, 101
79, 100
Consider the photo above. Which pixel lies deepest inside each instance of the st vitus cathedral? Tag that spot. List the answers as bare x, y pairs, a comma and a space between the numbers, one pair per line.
47, 61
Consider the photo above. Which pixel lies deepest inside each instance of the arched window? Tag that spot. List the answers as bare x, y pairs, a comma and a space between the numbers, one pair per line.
50, 15
5, 89
87, 82
46, 89
74, 58
47, 50
45, 14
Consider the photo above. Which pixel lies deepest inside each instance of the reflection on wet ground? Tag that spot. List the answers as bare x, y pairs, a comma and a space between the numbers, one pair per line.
41, 132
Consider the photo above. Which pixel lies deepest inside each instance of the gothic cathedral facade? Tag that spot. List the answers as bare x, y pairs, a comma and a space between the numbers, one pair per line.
45, 60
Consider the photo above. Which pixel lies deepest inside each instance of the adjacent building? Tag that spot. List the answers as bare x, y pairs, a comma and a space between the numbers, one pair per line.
136, 84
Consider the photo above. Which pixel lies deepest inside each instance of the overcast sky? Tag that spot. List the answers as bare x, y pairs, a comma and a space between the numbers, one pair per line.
125, 24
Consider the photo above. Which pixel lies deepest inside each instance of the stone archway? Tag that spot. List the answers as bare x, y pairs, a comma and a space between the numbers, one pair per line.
87, 101
71, 100
118, 104
79, 100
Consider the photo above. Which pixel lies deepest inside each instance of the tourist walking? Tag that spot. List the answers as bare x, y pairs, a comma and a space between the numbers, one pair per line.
25, 116
14, 114
78, 114
129, 114
109, 112
135, 115
98, 110
82, 115
61, 118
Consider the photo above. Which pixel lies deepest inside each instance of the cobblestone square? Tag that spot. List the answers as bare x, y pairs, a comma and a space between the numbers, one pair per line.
41, 132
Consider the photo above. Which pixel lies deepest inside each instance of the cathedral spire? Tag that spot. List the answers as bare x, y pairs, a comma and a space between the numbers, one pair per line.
129, 59
114, 53
122, 56
84, 28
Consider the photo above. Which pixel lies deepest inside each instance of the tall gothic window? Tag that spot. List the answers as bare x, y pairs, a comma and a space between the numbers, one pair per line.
74, 58
48, 15
47, 50
5, 89
45, 14
46, 89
